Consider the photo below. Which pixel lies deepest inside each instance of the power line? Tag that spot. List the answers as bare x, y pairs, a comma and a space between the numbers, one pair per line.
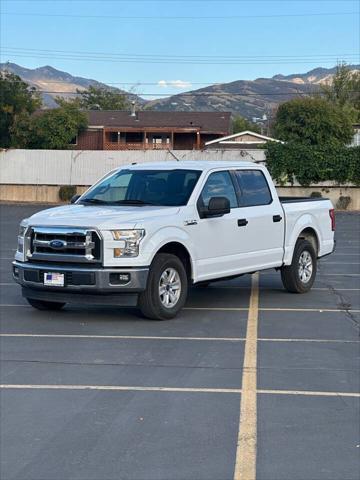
199, 94
178, 17
165, 61
171, 1
81, 52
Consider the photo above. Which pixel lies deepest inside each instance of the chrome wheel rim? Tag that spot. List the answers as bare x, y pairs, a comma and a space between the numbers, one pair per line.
305, 267
169, 288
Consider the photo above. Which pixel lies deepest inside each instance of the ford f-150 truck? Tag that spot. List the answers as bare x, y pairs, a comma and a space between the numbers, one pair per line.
144, 233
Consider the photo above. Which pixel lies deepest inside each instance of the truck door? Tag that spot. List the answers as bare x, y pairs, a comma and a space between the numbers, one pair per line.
261, 221
215, 238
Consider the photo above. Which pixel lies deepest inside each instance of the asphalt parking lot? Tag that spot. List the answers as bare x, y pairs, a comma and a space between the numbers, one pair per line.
100, 393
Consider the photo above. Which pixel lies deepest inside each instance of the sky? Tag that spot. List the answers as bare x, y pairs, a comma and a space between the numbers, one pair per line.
162, 47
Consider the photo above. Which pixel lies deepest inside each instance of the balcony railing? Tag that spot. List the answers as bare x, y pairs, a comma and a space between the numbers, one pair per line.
137, 146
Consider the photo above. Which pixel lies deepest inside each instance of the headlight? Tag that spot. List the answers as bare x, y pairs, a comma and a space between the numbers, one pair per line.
22, 230
129, 241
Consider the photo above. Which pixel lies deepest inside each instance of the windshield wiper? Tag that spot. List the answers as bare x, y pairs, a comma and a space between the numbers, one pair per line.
132, 202
94, 201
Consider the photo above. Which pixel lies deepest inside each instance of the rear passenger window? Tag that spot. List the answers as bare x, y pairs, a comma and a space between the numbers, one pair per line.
219, 184
254, 189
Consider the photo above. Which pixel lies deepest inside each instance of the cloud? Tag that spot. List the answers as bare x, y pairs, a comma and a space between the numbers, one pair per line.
174, 83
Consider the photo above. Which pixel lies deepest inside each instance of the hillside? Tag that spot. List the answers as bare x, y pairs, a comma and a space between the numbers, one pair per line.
48, 79
249, 98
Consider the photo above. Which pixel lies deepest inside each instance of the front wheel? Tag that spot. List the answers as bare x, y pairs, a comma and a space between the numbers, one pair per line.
300, 275
166, 290
43, 305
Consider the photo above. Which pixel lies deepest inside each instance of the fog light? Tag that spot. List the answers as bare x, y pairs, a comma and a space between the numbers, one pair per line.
119, 278
16, 272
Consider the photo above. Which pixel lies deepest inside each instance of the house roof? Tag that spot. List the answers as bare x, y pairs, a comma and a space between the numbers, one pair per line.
230, 138
210, 122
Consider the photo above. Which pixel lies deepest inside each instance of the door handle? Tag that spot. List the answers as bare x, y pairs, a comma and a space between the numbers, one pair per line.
242, 222
277, 218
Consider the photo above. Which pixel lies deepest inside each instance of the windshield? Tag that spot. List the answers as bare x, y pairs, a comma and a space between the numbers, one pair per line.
144, 187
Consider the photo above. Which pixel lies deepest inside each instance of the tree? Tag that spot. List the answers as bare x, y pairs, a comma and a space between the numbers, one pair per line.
240, 124
98, 98
344, 90
52, 129
313, 121
17, 98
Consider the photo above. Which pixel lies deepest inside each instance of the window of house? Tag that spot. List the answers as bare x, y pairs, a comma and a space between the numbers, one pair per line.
134, 137
219, 184
73, 141
113, 137
254, 189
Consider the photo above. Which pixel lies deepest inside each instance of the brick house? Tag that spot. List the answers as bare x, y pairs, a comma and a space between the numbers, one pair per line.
151, 130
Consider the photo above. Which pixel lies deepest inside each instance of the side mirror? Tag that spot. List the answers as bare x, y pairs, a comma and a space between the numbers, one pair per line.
75, 198
218, 206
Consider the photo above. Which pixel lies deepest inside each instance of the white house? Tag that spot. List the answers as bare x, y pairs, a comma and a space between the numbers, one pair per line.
242, 140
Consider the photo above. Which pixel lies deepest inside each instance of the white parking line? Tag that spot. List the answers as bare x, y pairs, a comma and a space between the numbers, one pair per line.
237, 309
122, 388
310, 393
327, 310
163, 338
273, 309
122, 337
131, 388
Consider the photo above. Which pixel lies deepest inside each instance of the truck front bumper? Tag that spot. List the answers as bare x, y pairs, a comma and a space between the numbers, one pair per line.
92, 285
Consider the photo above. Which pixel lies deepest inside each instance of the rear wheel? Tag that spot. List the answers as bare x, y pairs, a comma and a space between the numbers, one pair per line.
44, 305
166, 290
300, 275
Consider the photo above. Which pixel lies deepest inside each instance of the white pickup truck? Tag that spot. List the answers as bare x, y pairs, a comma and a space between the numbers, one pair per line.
144, 233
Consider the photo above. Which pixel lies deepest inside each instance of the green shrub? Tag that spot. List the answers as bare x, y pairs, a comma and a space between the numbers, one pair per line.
66, 192
310, 164
315, 195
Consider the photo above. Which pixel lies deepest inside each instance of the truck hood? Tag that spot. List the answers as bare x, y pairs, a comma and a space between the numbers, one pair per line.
101, 217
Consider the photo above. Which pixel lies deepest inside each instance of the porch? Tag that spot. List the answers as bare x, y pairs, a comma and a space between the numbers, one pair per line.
126, 139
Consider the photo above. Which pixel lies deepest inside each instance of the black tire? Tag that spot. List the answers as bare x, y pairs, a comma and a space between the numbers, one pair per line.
43, 305
291, 275
150, 302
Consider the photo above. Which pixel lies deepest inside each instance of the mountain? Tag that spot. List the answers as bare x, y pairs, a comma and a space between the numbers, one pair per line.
249, 98
48, 79
316, 76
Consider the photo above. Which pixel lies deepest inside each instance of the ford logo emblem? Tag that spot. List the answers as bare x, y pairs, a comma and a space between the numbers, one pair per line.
57, 244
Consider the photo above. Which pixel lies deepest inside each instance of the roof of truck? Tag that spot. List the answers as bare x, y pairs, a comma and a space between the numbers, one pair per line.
188, 165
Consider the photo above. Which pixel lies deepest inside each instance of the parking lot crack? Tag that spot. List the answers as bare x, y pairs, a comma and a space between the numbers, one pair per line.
345, 306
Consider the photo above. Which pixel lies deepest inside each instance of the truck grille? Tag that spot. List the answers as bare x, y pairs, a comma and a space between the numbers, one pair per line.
64, 244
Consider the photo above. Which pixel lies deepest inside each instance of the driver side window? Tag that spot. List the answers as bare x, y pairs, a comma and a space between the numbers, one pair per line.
219, 184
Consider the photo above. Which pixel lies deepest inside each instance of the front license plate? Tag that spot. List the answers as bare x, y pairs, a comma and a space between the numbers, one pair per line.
55, 279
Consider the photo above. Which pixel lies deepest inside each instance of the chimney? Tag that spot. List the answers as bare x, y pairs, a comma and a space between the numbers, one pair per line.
133, 109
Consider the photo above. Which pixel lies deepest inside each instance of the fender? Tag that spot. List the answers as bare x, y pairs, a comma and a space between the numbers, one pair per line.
305, 221
166, 235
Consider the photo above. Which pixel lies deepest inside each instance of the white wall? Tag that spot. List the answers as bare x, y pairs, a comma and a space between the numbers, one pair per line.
84, 167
